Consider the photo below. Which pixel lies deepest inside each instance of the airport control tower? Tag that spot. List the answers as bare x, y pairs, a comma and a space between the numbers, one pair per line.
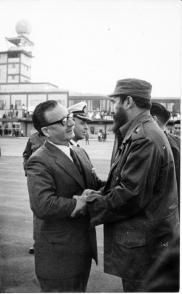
15, 63
18, 94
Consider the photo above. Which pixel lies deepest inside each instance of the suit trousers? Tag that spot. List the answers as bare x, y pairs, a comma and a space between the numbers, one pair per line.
74, 284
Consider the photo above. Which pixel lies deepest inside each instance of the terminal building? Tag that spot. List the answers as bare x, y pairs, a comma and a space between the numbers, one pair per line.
19, 96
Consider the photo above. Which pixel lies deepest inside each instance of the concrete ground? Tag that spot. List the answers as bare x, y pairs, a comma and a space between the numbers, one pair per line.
16, 265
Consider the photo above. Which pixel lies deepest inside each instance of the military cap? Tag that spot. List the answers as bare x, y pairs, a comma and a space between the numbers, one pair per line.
170, 123
159, 110
79, 110
178, 121
133, 87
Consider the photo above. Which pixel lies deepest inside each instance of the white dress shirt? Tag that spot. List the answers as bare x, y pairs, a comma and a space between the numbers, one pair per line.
63, 148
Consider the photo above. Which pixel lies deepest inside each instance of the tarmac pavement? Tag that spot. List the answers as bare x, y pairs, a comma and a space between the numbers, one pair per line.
16, 265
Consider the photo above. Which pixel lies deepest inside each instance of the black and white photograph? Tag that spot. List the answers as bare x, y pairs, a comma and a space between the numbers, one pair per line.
90, 134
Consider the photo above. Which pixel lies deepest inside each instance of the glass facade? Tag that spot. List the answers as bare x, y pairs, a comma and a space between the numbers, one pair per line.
5, 102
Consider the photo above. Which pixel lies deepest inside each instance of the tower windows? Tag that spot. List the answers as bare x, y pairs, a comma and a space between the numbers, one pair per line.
13, 54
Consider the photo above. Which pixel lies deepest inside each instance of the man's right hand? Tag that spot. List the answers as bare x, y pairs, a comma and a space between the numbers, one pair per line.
80, 208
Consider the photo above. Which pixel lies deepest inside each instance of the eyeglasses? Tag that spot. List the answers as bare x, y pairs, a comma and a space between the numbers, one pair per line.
62, 121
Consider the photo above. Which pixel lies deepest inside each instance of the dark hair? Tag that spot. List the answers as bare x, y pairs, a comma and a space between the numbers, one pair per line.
38, 117
140, 102
160, 111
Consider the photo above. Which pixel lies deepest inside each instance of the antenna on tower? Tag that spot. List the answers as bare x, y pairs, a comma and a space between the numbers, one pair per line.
21, 41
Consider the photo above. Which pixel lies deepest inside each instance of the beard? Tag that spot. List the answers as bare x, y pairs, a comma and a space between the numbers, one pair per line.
120, 119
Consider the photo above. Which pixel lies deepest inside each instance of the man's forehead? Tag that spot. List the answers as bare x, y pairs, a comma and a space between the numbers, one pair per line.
80, 120
115, 99
57, 112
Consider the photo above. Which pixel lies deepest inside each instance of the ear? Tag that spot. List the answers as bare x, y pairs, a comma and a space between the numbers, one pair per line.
129, 102
155, 118
45, 131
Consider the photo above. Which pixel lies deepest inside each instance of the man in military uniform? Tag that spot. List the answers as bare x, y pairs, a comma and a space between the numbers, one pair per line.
139, 204
81, 118
162, 116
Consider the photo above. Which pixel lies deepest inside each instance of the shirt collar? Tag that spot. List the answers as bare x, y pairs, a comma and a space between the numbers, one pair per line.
73, 143
63, 148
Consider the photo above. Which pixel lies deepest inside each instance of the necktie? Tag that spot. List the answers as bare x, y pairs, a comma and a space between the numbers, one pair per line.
75, 160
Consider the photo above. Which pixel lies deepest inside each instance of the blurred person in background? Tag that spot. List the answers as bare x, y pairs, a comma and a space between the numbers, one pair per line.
170, 126
162, 116
177, 127
164, 276
34, 142
87, 138
99, 135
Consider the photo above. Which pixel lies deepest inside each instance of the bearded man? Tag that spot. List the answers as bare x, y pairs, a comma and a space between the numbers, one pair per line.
138, 205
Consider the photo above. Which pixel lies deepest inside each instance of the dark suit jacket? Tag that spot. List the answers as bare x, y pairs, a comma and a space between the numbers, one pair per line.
62, 243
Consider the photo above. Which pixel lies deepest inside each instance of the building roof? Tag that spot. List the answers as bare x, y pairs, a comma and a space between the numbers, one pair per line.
166, 98
86, 96
29, 87
77, 96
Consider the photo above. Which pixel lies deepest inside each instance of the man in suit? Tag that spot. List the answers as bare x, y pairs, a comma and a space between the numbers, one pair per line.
139, 204
64, 246
162, 116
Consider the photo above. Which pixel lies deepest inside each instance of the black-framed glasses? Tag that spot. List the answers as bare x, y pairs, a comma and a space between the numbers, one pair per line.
62, 121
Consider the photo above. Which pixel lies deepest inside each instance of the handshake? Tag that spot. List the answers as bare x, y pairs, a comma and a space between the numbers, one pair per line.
80, 208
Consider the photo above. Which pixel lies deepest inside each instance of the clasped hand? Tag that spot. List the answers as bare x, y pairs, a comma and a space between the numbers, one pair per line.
80, 208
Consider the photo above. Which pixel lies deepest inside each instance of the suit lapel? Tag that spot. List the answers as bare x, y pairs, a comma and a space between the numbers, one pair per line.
86, 166
65, 163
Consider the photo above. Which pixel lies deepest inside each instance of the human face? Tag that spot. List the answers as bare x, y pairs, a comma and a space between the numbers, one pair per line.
120, 117
80, 129
58, 133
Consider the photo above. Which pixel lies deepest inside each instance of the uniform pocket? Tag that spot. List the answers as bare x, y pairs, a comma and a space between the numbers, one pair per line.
131, 239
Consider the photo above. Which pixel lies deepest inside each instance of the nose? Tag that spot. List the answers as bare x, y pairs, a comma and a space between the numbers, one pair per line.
70, 122
116, 107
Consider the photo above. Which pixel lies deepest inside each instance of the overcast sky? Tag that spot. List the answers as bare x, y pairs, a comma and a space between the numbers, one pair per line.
87, 45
